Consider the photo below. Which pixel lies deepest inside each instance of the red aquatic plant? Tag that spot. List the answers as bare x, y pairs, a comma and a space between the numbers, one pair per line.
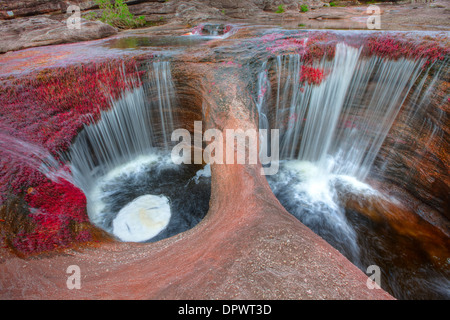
288, 45
198, 30
227, 28
50, 107
311, 75
315, 45
396, 47
319, 45
55, 207
311, 46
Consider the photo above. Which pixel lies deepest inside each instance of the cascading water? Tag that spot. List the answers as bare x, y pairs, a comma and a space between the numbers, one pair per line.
331, 133
329, 122
320, 106
126, 129
303, 184
123, 165
417, 118
31, 155
359, 139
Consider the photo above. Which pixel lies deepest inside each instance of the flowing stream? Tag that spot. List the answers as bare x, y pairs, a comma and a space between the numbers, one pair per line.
330, 136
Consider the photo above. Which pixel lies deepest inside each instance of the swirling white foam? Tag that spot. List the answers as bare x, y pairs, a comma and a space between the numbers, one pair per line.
97, 208
142, 219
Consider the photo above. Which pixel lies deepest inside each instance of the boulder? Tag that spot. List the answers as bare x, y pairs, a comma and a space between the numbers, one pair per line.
195, 11
29, 32
10, 9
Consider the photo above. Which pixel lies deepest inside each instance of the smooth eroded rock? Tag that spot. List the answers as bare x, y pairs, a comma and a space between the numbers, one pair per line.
39, 31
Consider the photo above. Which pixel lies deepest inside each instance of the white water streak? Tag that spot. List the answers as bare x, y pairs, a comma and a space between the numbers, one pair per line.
347, 116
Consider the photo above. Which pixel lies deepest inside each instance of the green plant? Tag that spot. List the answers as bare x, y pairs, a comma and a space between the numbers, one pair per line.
280, 9
117, 14
304, 8
91, 16
223, 11
333, 4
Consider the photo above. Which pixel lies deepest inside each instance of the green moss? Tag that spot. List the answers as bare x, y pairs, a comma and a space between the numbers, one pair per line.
280, 9
117, 14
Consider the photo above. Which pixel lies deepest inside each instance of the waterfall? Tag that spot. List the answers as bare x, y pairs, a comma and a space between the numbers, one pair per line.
114, 160
359, 139
161, 82
126, 130
263, 85
331, 133
341, 123
320, 106
419, 118
30, 155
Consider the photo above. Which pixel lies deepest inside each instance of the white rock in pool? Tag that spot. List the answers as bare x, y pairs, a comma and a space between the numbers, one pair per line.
142, 219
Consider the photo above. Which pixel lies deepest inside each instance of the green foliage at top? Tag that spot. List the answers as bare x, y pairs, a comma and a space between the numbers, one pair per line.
280, 9
117, 14
304, 8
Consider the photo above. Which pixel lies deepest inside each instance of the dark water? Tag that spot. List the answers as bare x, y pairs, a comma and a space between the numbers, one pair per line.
187, 193
413, 261
408, 270
136, 42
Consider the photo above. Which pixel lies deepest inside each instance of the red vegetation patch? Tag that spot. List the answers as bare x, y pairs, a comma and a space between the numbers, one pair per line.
227, 28
311, 75
198, 30
314, 46
395, 47
48, 109
288, 45
320, 45
55, 209
311, 46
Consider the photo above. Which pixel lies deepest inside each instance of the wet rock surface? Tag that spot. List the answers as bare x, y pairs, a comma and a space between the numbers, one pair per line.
41, 31
414, 155
44, 29
248, 246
